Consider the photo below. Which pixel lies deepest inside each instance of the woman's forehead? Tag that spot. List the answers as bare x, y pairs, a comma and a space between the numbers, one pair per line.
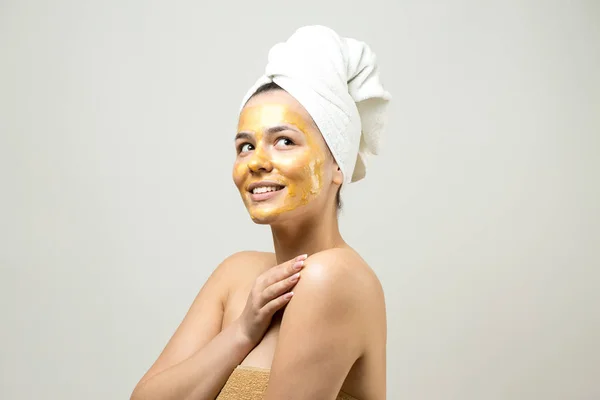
275, 107
265, 116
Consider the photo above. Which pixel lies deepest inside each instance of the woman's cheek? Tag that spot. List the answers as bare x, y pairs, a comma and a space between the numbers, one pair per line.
239, 169
316, 174
305, 180
292, 163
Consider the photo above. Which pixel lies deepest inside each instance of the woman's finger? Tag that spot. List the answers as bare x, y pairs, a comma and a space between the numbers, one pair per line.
279, 288
284, 270
271, 307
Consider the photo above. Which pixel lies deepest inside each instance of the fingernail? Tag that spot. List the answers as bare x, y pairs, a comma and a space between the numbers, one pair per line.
295, 277
288, 295
302, 257
298, 264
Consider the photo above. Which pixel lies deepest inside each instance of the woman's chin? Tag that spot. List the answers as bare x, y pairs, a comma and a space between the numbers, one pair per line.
267, 217
264, 218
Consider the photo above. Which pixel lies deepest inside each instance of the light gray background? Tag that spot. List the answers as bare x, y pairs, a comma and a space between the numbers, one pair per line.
481, 216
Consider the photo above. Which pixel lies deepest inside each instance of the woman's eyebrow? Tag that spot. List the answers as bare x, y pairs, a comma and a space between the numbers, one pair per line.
281, 128
269, 131
243, 135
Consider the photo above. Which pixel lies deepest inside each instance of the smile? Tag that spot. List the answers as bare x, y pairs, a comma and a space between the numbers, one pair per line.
262, 191
265, 189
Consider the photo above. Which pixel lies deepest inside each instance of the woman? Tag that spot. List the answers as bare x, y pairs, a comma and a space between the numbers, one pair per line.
307, 321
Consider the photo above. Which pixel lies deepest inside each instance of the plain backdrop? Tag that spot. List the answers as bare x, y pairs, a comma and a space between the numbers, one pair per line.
480, 216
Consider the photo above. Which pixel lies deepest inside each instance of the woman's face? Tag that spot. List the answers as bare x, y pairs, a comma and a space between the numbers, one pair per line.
282, 163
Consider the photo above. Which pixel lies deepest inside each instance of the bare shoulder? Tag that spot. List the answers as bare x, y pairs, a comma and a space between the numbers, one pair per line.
336, 281
229, 272
332, 320
346, 274
247, 256
204, 318
244, 261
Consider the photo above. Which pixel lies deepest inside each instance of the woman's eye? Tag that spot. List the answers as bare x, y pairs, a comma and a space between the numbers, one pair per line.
245, 147
284, 142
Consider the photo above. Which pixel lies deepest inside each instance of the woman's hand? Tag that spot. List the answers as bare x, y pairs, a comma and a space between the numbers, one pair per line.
270, 292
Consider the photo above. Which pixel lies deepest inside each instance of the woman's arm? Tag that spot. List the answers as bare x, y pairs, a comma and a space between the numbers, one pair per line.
323, 329
199, 358
202, 375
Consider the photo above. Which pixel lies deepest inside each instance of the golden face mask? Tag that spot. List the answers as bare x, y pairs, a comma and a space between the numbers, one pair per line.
278, 146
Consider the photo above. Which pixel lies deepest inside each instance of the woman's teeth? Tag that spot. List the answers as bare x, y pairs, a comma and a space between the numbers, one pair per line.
265, 189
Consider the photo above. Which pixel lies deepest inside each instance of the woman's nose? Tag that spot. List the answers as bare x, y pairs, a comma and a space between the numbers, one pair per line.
260, 162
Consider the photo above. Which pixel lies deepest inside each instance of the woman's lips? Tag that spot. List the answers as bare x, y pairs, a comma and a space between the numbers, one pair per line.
265, 196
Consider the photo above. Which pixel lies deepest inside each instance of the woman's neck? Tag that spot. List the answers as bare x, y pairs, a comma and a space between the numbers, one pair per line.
308, 237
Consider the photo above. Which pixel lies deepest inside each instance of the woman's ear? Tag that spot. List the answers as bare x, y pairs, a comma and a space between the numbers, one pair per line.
338, 177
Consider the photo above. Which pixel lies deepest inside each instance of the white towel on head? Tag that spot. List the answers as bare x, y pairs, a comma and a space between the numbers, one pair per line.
336, 80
